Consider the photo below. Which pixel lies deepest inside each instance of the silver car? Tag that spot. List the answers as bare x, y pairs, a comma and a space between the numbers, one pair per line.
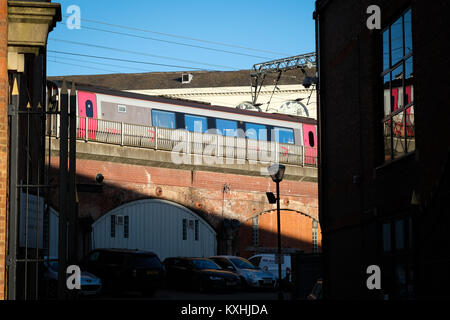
90, 284
251, 276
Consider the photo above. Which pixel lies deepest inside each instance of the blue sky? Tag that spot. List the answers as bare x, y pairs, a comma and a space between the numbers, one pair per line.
276, 29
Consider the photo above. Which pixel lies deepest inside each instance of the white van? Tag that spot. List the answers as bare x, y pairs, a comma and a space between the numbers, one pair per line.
266, 261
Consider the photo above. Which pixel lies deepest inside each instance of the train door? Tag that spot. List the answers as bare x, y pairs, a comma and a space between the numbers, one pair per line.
310, 143
87, 113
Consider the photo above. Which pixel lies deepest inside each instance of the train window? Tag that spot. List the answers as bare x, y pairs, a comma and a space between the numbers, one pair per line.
121, 108
195, 123
89, 109
256, 131
163, 119
283, 135
227, 127
311, 139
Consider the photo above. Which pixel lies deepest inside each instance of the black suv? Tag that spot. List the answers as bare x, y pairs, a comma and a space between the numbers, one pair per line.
122, 270
200, 274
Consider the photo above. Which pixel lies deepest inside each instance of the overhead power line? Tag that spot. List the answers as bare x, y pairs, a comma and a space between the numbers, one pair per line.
96, 63
81, 66
124, 60
183, 37
172, 42
136, 52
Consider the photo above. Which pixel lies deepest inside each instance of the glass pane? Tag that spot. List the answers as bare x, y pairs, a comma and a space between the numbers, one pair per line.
400, 234
195, 123
163, 119
387, 237
398, 130
227, 127
256, 131
387, 94
397, 88
410, 129
397, 41
386, 64
409, 92
284, 135
408, 32
387, 140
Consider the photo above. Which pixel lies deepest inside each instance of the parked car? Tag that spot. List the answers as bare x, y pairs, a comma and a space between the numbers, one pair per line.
316, 291
266, 261
90, 284
124, 270
200, 274
250, 275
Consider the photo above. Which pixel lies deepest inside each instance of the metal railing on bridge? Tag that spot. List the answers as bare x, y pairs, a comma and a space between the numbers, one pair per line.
183, 141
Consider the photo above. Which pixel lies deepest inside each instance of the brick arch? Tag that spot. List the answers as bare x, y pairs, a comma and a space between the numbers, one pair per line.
203, 215
296, 229
281, 209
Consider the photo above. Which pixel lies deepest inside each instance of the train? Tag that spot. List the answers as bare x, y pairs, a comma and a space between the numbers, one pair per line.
95, 104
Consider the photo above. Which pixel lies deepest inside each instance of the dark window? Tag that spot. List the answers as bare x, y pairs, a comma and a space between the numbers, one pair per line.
113, 226
242, 263
89, 109
142, 261
223, 263
197, 231
255, 261
398, 76
163, 119
311, 139
205, 264
184, 229
255, 231
315, 238
125, 226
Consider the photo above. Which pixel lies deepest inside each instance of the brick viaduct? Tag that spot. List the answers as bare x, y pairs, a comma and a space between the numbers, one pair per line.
134, 173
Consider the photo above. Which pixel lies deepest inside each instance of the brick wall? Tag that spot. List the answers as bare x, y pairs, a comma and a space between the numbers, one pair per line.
203, 193
3, 140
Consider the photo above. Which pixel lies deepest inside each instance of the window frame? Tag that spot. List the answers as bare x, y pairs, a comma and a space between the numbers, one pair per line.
389, 119
167, 112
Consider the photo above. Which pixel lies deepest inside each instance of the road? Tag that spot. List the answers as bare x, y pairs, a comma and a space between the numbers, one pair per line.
165, 294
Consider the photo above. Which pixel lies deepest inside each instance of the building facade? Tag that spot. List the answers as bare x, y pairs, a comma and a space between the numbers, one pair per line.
24, 27
383, 147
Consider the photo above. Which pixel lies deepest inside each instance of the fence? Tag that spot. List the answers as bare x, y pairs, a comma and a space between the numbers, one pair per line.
179, 140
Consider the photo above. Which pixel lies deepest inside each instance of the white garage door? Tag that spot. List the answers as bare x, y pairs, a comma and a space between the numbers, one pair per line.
164, 227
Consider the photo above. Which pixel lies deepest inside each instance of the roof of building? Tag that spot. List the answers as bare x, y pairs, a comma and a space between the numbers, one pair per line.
172, 80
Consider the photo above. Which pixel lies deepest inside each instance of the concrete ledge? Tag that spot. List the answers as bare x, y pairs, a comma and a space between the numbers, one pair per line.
159, 158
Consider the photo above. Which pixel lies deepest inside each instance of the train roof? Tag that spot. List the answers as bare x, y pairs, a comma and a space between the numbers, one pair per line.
186, 103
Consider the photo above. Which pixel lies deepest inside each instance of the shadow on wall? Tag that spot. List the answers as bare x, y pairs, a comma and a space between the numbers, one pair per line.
97, 199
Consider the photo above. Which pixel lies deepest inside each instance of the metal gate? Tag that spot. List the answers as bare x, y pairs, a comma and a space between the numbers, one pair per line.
34, 106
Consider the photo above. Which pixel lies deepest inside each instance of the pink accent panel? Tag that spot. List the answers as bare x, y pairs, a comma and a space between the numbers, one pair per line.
395, 95
310, 151
87, 98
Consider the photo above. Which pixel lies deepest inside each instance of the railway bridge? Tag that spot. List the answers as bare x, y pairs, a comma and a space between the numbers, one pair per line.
161, 172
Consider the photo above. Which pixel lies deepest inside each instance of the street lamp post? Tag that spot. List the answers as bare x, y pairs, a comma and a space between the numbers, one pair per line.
276, 171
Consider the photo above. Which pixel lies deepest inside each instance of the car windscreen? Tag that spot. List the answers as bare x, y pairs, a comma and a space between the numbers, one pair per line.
143, 261
205, 264
242, 263
255, 261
